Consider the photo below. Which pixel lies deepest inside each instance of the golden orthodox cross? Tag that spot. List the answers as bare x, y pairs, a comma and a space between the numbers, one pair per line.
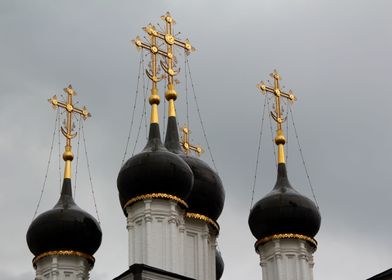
186, 144
67, 131
277, 116
280, 140
153, 76
171, 41
154, 50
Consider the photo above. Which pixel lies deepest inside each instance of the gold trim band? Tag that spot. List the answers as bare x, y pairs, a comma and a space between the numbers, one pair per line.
203, 218
90, 258
264, 240
156, 195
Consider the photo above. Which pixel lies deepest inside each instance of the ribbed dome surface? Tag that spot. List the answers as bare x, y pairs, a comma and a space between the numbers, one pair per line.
284, 210
154, 170
207, 196
219, 265
65, 227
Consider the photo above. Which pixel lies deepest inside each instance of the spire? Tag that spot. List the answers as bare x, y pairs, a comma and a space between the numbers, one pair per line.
280, 139
67, 131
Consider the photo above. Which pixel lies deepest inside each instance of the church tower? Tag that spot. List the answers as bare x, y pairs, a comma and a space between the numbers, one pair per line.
65, 238
284, 222
171, 200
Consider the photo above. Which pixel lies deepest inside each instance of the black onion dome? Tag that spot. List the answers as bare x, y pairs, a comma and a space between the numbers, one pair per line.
154, 171
65, 227
207, 196
219, 265
284, 210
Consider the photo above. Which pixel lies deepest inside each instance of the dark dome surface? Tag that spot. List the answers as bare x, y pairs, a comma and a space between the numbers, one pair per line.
219, 265
65, 227
284, 210
154, 170
207, 196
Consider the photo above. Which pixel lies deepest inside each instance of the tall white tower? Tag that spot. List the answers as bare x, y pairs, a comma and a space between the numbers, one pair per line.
284, 222
65, 238
171, 200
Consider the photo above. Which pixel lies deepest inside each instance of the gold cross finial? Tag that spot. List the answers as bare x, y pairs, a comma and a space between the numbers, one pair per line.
153, 75
67, 131
186, 145
171, 41
280, 140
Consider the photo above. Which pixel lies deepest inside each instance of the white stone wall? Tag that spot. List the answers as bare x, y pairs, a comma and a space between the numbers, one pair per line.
161, 237
59, 267
200, 244
154, 234
286, 259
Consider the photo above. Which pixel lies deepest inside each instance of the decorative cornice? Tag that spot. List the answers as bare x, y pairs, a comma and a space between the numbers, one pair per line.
89, 258
308, 239
203, 218
158, 196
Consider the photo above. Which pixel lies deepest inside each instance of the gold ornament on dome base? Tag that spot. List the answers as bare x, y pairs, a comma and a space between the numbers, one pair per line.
264, 240
90, 258
203, 218
156, 196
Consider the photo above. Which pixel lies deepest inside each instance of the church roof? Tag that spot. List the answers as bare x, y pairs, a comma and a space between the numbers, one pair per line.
386, 275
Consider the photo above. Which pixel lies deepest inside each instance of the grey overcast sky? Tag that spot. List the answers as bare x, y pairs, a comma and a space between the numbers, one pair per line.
334, 55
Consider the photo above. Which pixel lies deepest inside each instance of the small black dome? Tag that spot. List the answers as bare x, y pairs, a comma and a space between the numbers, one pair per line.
65, 227
207, 196
219, 265
154, 170
284, 210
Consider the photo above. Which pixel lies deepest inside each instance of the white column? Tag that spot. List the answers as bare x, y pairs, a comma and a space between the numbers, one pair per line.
181, 248
286, 259
211, 256
148, 219
131, 240
174, 237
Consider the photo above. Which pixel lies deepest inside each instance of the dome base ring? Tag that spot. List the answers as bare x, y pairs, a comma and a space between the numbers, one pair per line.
308, 239
158, 196
203, 218
89, 258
